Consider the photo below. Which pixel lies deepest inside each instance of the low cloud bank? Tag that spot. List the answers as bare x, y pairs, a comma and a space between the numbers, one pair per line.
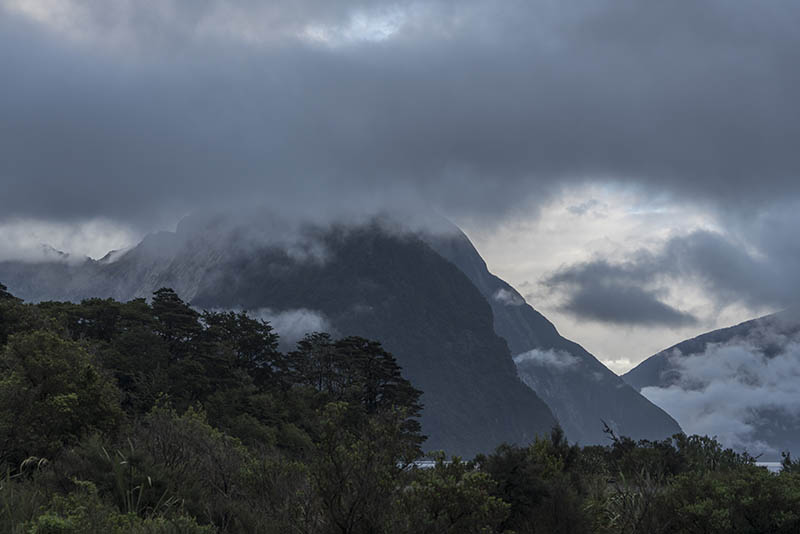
736, 392
34, 241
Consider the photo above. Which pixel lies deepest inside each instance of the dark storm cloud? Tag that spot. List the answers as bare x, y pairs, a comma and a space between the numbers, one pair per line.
130, 110
613, 293
724, 268
626, 305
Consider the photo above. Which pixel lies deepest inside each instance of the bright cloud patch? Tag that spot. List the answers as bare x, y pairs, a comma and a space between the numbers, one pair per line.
362, 26
35, 240
509, 298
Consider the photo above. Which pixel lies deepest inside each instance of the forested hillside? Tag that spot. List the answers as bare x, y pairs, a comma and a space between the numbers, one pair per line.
153, 417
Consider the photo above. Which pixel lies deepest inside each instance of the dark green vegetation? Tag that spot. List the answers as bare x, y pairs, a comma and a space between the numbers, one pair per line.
154, 418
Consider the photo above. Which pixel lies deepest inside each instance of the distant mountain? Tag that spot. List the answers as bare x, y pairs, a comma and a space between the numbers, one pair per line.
580, 390
662, 370
740, 383
366, 281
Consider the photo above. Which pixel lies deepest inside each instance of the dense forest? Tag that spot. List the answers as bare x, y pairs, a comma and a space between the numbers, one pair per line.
153, 417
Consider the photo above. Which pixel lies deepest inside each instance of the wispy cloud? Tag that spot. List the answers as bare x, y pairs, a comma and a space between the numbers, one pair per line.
293, 325
554, 359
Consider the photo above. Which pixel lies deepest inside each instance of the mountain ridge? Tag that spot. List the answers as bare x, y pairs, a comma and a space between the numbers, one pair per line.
582, 392
345, 275
370, 282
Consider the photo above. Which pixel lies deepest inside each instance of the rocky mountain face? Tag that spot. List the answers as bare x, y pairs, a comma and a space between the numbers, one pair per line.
366, 281
739, 383
579, 389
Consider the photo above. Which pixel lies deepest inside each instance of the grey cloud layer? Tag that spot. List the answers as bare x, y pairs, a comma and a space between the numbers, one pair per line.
756, 265
475, 107
622, 303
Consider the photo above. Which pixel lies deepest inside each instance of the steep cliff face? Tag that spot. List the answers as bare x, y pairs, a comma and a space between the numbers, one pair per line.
579, 389
364, 281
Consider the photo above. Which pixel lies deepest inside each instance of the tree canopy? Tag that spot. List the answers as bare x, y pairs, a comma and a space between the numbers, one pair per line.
155, 417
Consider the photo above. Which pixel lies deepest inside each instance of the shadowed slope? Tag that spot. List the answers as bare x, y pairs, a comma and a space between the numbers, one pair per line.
579, 389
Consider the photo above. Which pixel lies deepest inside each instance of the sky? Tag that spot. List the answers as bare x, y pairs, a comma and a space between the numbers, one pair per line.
630, 166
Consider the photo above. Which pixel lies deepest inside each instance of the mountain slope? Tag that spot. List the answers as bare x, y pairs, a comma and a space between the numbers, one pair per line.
739, 383
366, 281
579, 389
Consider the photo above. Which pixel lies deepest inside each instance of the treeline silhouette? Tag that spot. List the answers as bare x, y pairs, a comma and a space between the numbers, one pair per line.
152, 417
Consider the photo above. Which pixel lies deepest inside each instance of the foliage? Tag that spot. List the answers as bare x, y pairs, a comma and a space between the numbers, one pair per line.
543, 483
157, 418
450, 498
750, 500
84, 512
788, 465
51, 394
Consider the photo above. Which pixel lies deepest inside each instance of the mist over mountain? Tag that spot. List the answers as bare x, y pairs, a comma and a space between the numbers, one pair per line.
420, 288
738, 383
367, 281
